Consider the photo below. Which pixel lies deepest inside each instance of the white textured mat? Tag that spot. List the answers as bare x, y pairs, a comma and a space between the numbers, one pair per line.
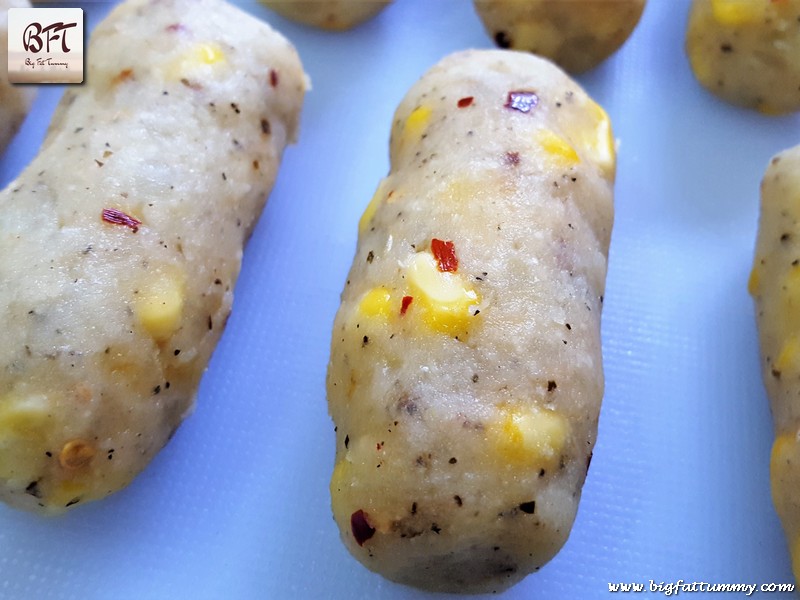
237, 504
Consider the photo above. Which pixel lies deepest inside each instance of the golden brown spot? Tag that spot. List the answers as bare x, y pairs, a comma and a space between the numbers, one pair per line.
76, 454
123, 75
83, 393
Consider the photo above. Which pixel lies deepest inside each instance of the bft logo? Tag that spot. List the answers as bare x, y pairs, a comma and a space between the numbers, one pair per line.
45, 45
32, 36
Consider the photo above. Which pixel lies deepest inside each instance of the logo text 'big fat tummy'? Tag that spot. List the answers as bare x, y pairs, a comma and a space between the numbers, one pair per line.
45, 45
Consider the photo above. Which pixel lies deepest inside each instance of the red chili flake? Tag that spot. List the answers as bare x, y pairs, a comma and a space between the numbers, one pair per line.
273, 78
361, 528
465, 102
512, 158
445, 255
175, 27
522, 101
117, 217
407, 300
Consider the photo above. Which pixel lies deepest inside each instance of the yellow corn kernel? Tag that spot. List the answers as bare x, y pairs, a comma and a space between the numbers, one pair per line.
444, 298
65, 492
783, 450
341, 480
377, 303
533, 438
559, 149
701, 65
341, 475
737, 12
753, 281
787, 358
416, 123
159, 307
600, 143
372, 208
209, 53
464, 189
23, 427
435, 285
195, 61
76, 454
594, 137
767, 109
24, 417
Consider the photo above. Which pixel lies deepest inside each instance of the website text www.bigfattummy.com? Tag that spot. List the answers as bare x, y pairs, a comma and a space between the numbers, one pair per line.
673, 588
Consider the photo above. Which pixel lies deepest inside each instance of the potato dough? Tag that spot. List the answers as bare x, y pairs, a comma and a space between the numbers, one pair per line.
121, 242
336, 15
775, 286
466, 377
747, 51
576, 34
15, 100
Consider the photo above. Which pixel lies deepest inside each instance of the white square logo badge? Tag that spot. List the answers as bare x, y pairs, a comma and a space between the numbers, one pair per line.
45, 45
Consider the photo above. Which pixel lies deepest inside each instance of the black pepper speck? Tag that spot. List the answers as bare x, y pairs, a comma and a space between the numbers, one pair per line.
502, 40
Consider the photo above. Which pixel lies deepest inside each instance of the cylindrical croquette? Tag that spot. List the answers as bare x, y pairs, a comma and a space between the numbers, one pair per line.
576, 34
334, 15
15, 100
775, 287
465, 377
121, 242
747, 52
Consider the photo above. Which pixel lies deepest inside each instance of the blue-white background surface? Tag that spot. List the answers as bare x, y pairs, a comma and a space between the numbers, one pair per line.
236, 506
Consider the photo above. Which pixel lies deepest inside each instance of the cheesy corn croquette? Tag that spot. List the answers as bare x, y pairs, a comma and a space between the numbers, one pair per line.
466, 376
121, 242
334, 15
575, 34
775, 287
747, 52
